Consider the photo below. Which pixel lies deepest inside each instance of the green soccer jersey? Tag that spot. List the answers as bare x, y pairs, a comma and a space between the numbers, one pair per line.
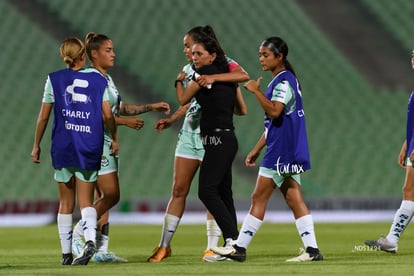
112, 95
192, 116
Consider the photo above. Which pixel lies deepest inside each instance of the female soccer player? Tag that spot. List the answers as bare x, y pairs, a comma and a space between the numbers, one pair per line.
100, 51
403, 215
286, 157
189, 151
79, 101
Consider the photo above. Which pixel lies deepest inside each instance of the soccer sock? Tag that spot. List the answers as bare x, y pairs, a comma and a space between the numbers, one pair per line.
64, 222
103, 239
249, 228
89, 221
77, 230
213, 233
102, 243
168, 229
401, 219
306, 231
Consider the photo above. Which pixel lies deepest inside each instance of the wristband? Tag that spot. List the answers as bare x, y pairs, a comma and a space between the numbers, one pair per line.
176, 81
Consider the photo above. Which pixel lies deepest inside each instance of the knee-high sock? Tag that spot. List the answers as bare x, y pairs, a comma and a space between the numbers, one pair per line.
249, 228
102, 238
306, 231
89, 221
401, 219
168, 229
64, 222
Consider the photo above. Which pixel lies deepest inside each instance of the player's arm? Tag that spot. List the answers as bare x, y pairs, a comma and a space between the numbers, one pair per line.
185, 95
109, 121
236, 74
240, 108
255, 152
273, 109
402, 155
41, 125
131, 122
164, 123
136, 109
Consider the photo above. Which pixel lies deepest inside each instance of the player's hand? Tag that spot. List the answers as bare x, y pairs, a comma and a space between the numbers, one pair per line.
253, 85
205, 80
161, 107
181, 76
411, 157
135, 123
36, 155
251, 159
114, 148
162, 124
401, 160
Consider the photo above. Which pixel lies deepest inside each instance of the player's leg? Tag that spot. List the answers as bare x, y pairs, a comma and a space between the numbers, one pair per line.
402, 216
184, 171
291, 191
85, 185
252, 222
64, 217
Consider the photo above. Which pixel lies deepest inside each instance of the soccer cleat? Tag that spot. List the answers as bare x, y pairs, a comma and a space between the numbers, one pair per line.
210, 256
159, 253
383, 244
107, 257
86, 254
226, 249
231, 251
310, 254
77, 245
67, 259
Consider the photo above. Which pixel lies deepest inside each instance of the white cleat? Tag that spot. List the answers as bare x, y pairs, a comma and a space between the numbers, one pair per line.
107, 257
77, 246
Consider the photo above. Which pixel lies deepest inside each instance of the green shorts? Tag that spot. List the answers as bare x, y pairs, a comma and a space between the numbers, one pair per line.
109, 163
189, 146
408, 162
276, 176
65, 174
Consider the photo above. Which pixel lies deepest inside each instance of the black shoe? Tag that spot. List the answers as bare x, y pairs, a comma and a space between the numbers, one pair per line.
314, 253
238, 254
67, 259
86, 254
310, 254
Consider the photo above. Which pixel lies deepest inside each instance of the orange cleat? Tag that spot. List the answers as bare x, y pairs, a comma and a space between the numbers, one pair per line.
210, 256
159, 253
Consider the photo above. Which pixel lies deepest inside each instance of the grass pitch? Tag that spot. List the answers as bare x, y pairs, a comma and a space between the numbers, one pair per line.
36, 251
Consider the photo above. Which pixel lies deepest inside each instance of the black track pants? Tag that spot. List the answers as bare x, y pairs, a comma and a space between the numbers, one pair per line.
215, 180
